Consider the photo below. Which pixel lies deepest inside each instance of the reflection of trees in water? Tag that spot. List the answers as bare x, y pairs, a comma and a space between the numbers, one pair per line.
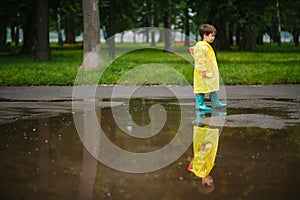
43, 156
139, 113
260, 161
56, 157
89, 163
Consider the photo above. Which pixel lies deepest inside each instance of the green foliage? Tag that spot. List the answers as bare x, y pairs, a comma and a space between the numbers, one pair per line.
269, 65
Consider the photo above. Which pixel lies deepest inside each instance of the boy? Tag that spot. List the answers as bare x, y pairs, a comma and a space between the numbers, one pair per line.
206, 72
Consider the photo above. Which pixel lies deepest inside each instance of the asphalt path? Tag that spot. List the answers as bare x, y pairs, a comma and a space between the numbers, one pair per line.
52, 93
263, 106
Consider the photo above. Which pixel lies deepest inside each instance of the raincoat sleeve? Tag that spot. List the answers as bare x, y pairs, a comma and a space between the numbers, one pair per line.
200, 56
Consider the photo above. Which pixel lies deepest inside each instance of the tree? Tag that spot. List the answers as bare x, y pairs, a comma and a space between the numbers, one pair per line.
290, 10
66, 15
247, 20
187, 23
117, 16
92, 58
2, 33
112, 28
255, 18
43, 46
219, 17
168, 37
28, 14
59, 31
72, 11
273, 25
200, 10
147, 17
9, 17
247, 24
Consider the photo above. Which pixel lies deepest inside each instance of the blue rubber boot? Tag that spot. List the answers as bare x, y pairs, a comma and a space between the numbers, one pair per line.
200, 103
215, 103
199, 115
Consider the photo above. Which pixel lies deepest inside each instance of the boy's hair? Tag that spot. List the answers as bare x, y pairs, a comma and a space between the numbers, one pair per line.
207, 29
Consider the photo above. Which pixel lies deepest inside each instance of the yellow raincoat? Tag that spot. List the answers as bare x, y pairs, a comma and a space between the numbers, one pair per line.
205, 147
205, 60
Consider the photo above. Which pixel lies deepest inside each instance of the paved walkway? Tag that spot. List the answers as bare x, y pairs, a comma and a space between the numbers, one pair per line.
50, 93
266, 106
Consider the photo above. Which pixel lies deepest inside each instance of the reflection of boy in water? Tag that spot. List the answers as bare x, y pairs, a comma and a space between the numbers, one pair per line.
205, 148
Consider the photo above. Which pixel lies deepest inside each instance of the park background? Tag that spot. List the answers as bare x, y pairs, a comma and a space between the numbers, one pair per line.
42, 156
42, 41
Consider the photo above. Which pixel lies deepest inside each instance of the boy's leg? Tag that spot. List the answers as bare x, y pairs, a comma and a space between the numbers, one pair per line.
200, 103
215, 103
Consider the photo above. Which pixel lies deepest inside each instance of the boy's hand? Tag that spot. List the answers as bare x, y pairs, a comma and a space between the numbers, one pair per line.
191, 49
207, 75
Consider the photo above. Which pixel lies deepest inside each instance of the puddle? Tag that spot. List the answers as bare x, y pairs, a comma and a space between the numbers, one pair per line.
45, 159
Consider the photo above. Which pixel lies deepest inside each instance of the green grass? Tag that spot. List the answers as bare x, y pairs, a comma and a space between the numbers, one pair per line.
259, 67
25, 70
147, 67
137, 64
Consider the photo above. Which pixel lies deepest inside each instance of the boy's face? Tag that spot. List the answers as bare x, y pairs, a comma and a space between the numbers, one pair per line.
209, 38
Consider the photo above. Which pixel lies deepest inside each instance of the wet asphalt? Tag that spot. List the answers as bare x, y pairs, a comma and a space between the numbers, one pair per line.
51, 93
42, 156
264, 106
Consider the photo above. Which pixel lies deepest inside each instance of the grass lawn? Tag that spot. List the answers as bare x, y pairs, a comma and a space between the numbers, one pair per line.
139, 64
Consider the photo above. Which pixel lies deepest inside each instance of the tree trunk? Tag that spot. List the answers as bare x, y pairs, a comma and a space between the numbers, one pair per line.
278, 24
112, 28
274, 33
17, 35
186, 27
147, 34
60, 40
259, 38
29, 31
12, 33
91, 45
168, 38
161, 36
222, 42
3, 38
238, 36
248, 40
230, 34
296, 36
43, 45
134, 37
111, 47
217, 18
153, 43
69, 28
122, 37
